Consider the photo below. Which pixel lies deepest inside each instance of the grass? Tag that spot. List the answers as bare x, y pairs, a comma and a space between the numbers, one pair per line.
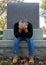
1, 32
4, 62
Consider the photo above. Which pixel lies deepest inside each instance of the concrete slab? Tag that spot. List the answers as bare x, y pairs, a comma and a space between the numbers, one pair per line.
8, 34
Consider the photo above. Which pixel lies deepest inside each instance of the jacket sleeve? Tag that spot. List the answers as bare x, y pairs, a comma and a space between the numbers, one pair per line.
29, 34
16, 33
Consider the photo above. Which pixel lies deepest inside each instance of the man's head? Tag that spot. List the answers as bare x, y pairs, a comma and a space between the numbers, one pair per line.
23, 25
23, 22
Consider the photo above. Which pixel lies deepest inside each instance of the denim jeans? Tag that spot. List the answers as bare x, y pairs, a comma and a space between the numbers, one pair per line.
30, 45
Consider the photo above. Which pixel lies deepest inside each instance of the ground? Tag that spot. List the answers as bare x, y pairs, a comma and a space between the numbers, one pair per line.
8, 61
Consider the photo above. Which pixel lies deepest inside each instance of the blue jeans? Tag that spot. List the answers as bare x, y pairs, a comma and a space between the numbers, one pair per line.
30, 45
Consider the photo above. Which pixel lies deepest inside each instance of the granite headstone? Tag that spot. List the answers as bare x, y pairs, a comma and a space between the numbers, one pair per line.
17, 11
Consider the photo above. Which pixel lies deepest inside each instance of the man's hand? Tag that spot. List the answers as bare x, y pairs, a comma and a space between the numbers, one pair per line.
19, 30
25, 27
26, 30
22, 26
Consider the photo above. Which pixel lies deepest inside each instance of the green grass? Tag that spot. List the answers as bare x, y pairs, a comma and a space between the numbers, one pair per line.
1, 32
5, 62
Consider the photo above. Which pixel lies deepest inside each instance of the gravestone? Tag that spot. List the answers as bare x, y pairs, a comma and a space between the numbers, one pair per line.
17, 11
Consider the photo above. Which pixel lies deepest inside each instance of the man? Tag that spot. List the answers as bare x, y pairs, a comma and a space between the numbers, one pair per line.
23, 31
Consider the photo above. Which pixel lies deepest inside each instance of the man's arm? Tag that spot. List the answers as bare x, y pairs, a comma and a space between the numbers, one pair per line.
16, 33
29, 34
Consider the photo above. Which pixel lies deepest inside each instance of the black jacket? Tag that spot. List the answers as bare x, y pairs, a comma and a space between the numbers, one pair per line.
23, 34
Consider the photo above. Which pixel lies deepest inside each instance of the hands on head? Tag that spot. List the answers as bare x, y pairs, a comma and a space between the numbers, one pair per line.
22, 26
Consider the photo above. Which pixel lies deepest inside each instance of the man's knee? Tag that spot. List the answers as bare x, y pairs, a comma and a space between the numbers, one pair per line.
16, 39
